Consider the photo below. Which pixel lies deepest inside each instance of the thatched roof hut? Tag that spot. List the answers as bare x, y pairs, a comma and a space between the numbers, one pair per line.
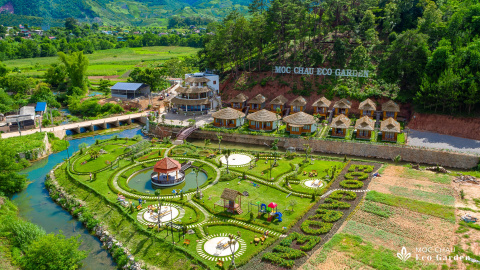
390, 125
342, 104
193, 90
340, 121
262, 116
299, 119
280, 100
196, 80
322, 102
258, 99
299, 101
390, 106
228, 114
240, 98
367, 105
230, 194
365, 123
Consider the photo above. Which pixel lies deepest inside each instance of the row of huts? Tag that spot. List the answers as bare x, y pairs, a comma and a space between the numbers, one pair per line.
321, 106
299, 122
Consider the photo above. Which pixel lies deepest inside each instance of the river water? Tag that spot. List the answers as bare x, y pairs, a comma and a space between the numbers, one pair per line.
36, 205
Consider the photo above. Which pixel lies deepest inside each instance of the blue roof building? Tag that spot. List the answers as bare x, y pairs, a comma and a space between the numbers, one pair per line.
41, 107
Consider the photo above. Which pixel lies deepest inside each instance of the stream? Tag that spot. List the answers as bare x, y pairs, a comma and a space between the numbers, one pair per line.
35, 204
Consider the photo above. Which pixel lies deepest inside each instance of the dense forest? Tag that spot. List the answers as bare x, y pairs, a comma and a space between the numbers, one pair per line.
422, 51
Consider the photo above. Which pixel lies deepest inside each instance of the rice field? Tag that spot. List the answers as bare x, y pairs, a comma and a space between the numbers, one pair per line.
113, 62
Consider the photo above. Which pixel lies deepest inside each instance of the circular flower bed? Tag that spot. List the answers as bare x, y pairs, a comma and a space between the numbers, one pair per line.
319, 227
352, 184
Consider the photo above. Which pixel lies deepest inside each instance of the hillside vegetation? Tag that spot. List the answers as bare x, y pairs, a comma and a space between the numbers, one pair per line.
421, 51
115, 12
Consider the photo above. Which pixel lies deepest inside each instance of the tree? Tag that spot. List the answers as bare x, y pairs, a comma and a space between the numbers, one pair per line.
70, 23
56, 75
278, 112
197, 170
207, 142
155, 78
6, 102
43, 93
227, 153
406, 60
219, 138
10, 180
82, 147
76, 65
3, 70
94, 153
54, 252
292, 204
104, 86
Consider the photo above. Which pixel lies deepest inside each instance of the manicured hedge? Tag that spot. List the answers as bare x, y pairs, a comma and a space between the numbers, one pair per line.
342, 194
327, 215
352, 184
361, 168
334, 204
356, 175
321, 227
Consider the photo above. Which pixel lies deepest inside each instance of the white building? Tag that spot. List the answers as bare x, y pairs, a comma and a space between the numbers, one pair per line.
213, 80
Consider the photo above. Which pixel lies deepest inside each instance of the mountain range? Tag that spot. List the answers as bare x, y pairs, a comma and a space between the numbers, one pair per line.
114, 12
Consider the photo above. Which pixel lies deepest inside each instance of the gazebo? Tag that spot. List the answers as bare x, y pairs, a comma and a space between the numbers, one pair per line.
167, 172
231, 195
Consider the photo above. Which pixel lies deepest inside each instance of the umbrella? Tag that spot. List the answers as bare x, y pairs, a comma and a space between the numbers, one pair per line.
272, 205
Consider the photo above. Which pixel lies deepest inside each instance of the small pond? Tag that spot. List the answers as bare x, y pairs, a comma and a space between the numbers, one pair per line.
141, 182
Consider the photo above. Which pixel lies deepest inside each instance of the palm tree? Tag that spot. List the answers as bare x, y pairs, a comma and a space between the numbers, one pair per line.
219, 138
231, 244
207, 142
196, 170
227, 153
94, 153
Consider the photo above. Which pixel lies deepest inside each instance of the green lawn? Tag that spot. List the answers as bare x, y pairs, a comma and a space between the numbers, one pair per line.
107, 62
104, 160
434, 177
264, 195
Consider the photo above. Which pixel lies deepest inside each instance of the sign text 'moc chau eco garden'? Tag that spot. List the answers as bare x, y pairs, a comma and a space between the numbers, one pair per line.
321, 71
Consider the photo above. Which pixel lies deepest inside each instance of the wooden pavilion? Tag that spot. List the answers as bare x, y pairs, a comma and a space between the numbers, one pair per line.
229, 197
163, 173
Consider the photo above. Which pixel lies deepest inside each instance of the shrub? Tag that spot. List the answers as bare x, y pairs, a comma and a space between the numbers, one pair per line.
320, 227
345, 195
327, 215
334, 204
358, 175
352, 184
22, 232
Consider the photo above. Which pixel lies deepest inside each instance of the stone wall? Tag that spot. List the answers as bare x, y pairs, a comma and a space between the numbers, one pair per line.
389, 152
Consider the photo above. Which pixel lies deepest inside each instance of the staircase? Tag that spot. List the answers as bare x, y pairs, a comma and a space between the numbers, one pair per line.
239, 210
330, 117
287, 112
246, 110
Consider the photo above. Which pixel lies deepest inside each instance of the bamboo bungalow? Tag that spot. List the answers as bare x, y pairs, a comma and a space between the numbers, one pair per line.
228, 118
390, 129
364, 126
300, 122
339, 126
239, 102
367, 108
278, 103
257, 103
263, 120
320, 106
342, 107
390, 109
298, 105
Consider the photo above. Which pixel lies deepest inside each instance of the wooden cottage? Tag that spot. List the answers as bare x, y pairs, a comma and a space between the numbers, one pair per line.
339, 126
298, 105
367, 108
230, 202
278, 103
239, 102
390, 129
257, 103
320, 106
263, 120
342, 107
300, 122
390, 109
364, 126
228, 118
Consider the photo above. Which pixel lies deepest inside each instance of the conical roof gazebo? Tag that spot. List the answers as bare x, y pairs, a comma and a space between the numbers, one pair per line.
166, 173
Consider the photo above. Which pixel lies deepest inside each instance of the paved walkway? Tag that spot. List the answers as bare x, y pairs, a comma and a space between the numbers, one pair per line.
439, 141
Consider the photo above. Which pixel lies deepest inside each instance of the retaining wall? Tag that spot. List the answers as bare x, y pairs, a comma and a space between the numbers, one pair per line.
409, 154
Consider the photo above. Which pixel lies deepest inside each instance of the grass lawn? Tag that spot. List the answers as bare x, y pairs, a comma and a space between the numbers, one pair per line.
107, 62
437, 210
423, 195
25, 143
156, 153
113, 151
263, 194
262, 169
434, 177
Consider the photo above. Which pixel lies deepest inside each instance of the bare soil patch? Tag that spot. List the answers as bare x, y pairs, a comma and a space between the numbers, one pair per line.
337, 260
465, 127
471, 196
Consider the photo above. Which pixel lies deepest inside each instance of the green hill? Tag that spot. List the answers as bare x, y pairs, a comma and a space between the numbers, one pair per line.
113, 12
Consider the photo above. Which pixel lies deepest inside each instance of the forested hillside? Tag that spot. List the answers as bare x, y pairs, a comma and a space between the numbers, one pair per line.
114, 12
422, 51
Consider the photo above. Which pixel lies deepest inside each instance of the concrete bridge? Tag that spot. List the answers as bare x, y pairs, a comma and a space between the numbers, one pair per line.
81, 127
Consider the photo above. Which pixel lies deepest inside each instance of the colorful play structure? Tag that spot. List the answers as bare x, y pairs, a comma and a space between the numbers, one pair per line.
271, 210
